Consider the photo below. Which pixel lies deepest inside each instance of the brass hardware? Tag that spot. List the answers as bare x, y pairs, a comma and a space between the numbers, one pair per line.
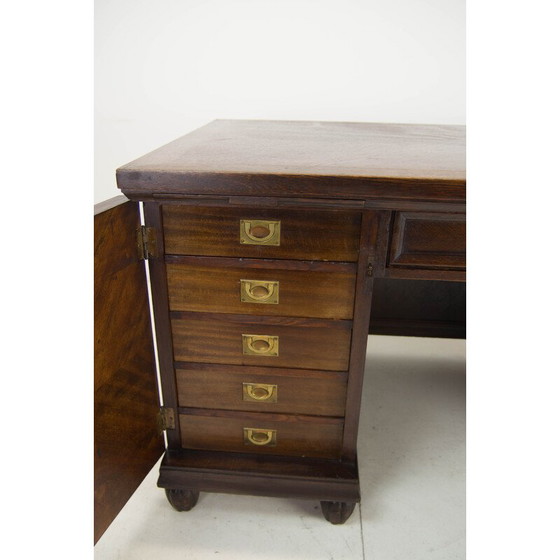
146, 242
258, 436
166, 419
260, 345
259, 232
260, 392
260, 291
369, 271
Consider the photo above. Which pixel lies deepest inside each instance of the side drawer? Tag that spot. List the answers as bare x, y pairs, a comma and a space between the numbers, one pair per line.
268, 434
256, 389
261, 291
428, 240
270, 342
261, 233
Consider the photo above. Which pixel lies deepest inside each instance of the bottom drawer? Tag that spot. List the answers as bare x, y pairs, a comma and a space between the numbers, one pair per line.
262, 433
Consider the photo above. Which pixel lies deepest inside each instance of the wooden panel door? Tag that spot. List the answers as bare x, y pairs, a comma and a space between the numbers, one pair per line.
126, 437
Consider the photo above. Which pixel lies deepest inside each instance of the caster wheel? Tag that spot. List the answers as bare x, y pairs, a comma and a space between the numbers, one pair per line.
337, 512
182, 500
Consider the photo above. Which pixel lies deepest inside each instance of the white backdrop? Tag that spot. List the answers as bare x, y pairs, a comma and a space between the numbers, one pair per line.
166, 67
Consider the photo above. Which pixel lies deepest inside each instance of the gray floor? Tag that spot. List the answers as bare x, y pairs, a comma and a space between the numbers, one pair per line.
412, 471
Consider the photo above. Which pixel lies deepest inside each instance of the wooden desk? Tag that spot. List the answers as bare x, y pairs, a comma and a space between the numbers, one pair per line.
273, 249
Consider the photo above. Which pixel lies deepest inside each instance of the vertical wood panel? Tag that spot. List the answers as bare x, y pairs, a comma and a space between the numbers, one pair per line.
126, 438
158, 278
372, 221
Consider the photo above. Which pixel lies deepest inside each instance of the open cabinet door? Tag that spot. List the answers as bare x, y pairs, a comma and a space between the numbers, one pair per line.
126, 436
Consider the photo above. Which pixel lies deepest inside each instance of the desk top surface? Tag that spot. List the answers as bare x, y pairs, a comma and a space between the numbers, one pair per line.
282, 149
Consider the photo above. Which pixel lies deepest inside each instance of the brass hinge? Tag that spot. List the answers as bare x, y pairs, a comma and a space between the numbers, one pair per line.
166, 419
146, 242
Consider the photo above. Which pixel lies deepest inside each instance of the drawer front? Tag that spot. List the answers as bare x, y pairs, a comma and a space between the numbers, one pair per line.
261, 389
429, 240
292, 436
261, 233
290, 343
294, 293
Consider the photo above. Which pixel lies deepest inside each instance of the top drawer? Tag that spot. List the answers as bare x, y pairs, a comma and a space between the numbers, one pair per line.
261, 233
428, 240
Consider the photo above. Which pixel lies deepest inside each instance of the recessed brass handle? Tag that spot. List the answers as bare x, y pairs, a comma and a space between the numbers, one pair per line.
260, 345
260, 291
258, 436
259, 232
260, 392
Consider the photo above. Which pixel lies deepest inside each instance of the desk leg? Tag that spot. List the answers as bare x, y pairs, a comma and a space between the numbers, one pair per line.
182, 500
337, 512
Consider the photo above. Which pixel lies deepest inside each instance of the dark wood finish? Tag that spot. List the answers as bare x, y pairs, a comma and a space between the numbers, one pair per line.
306, 159
425, 274
158, 280
337, 188
337, 512
320, 393
215, 232
296, 435
259, 201
358, 204
426, 328
260, 475
428, 240
394, 151
380, 241
200, 337
252, 465
256, 416
263, 264
126, 441
110, 203
326, 294
418, 308
452, 207
181, 499
265, 320
372, 221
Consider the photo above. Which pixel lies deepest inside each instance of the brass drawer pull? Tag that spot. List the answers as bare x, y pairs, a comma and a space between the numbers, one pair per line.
258, 436
260, 291
260, 392
259, 232
260, 345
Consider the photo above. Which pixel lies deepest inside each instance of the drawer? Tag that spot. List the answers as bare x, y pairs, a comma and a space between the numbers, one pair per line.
271, 434
256, 389
428, 240
261, 233
262, 291
268, 342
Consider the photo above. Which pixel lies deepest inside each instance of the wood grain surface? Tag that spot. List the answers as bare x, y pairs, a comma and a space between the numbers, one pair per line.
224, 432
216, 386
372, 222
216, 288
126, 402
276, 157
429, 240
357, 203
260, 475
201, 337
305, 234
